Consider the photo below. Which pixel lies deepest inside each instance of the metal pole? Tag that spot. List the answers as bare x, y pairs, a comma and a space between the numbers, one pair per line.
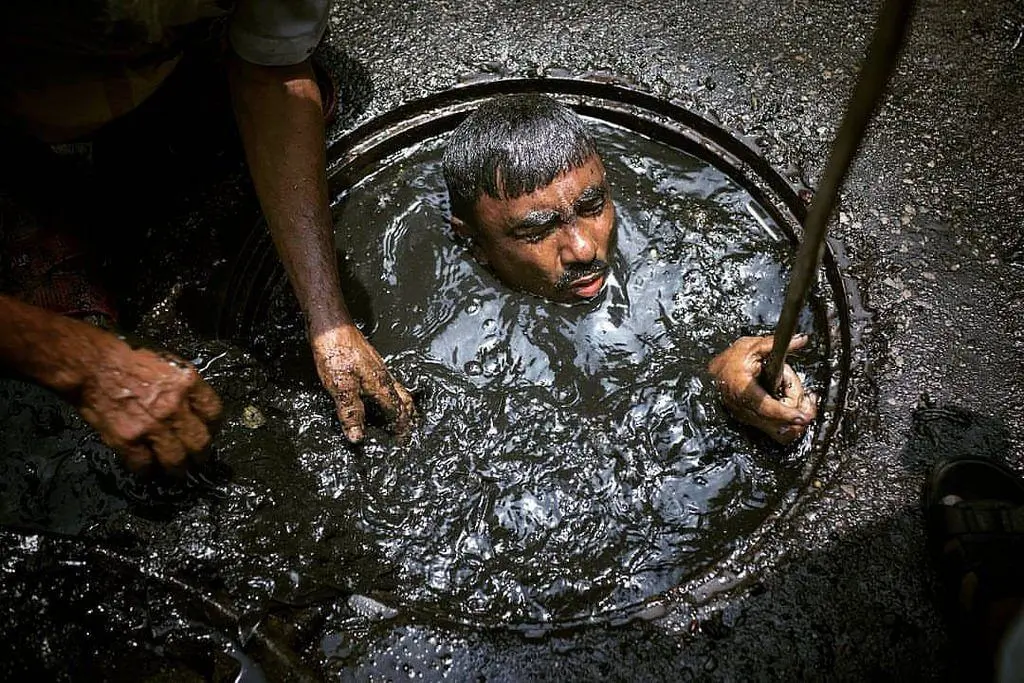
874, 76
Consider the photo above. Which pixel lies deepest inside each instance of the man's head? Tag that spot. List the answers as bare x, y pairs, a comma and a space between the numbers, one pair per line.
527, 188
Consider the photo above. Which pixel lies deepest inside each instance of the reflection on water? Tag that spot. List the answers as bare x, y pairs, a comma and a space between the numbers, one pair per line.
569, 459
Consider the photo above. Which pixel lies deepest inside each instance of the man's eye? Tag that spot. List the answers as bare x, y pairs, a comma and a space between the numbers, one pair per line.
536, 234
534, 237
593, 208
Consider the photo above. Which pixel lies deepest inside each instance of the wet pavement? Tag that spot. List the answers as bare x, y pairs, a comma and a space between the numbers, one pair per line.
929, 227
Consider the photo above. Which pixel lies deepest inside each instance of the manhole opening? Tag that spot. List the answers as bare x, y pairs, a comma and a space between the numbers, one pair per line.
571, 465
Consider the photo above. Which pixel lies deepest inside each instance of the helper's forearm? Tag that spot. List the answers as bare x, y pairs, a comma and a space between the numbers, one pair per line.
151, 409
281, 122
44, 347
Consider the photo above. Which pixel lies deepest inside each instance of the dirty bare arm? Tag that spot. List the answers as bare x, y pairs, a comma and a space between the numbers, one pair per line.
153, 409
280, 117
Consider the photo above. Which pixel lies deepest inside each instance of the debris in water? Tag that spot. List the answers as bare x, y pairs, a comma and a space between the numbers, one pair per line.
252, 418
652, 612
370, 608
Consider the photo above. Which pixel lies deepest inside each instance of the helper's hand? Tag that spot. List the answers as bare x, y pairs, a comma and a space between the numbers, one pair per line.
736, 371
351, 370
153, 409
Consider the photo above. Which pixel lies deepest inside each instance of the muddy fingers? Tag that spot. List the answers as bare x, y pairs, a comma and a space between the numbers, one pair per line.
351, 412
203, 401
137, 457
736, 372
169, 452
352, 371
191, 431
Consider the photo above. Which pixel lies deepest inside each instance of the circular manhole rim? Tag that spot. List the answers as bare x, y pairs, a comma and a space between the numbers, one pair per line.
380, 139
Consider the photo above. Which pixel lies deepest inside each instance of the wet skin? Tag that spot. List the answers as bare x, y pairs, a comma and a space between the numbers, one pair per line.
155, 411
736, 371
555, 241
280, 117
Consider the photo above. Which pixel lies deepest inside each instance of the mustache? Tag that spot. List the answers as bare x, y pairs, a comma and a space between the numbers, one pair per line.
580, 270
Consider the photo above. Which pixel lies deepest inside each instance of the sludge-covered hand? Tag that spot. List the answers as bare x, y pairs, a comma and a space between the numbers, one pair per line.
351, 370
736, 371
153, 409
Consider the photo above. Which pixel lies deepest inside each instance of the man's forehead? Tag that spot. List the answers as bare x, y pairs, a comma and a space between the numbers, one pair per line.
584, 181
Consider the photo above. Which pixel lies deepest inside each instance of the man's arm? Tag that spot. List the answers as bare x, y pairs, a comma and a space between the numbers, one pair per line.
280, 117
154, 410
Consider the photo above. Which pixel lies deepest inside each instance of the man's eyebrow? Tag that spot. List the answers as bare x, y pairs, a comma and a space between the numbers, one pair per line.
591, 193
535, 219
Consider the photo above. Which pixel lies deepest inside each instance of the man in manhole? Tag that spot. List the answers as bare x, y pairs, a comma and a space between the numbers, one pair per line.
528, 194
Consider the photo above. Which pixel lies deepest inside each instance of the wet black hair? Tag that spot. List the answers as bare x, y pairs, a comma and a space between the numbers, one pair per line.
527, 140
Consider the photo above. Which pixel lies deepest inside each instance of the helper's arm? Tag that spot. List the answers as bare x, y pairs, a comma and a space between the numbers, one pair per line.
153, 409
279, 114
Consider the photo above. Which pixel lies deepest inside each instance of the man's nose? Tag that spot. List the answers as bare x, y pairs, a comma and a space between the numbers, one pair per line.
578, 244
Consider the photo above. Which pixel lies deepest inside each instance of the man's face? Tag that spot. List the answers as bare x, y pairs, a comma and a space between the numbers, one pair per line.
553, 242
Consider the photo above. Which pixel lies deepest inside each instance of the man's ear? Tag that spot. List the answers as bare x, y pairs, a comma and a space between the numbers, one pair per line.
467, 232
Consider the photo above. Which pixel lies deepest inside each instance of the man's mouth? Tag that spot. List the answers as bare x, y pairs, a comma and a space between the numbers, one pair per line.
588, 286
583, 280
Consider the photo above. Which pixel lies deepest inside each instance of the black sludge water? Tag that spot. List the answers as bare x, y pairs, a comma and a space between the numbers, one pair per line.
569, 461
